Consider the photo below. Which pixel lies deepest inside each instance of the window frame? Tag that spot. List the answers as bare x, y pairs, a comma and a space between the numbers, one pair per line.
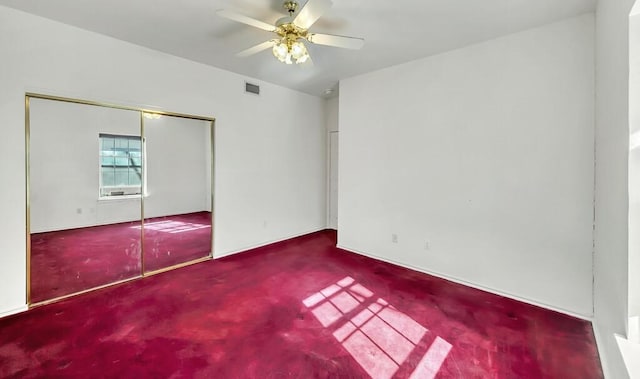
141, 188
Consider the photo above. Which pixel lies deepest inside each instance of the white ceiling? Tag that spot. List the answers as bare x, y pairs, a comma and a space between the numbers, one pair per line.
395, 31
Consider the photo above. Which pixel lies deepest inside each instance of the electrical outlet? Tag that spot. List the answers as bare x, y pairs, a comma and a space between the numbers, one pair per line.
427, 246
394, 238
79, 211
264, 224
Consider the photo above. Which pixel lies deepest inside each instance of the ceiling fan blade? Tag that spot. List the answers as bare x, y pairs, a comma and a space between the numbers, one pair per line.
311, 12
336, 41
256, 49
231, 15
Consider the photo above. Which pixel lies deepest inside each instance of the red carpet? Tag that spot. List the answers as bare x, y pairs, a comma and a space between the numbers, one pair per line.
176, 239
68, 261
298, 309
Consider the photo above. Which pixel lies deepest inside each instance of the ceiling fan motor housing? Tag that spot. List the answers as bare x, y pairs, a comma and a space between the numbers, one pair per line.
290, 31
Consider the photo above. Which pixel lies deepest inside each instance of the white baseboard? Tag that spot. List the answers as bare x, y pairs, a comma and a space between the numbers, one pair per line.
473, 285
10, 312
261, 244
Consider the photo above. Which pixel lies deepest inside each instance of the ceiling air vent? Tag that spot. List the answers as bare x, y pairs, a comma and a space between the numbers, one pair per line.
252, 88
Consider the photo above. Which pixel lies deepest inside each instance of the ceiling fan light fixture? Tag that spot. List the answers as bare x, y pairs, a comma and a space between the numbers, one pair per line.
303, 58
281, 50
298, 50
293, 32
286, 51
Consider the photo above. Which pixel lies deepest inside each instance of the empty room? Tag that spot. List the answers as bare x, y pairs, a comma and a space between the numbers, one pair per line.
320, 189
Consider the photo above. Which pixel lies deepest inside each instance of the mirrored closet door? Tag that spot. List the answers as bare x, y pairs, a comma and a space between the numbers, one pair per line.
95, 173
177, 203
84, 190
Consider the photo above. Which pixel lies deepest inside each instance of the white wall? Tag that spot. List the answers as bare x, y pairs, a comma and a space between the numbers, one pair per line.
178, 153
64, 165
270, 159
612, 154
332, 114
634, 164
486, 155
332, 125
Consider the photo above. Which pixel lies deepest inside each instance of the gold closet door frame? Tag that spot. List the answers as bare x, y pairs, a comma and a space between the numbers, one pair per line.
142, 111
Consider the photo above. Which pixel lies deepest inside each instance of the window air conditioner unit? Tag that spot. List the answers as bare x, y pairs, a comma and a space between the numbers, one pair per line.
123, 191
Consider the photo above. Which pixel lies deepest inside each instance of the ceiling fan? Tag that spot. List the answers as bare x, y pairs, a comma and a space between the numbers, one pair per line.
292, 30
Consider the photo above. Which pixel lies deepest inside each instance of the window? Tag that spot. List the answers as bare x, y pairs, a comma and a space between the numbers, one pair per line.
120, 165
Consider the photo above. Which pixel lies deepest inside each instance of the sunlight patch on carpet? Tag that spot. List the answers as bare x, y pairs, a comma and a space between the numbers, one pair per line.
377, 335
169, 226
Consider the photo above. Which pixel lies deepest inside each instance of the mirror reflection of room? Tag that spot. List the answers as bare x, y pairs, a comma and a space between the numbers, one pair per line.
95, 172
177, 201
85, 207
